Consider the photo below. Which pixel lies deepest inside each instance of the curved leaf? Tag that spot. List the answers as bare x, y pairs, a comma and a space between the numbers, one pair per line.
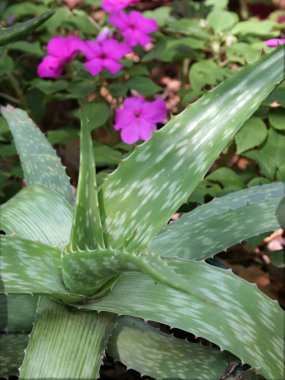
30, 267
236, 316
91, 272
138, 199
20, 30
39, 214
239, 216
66, 344
40, 163
151, 352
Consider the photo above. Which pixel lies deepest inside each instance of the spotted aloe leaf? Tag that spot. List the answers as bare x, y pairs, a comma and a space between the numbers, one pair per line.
87, 230
150, 185
40, 163
65, 344
31, 267
37, 213
240, 215
22, 29
236, 316
89, 272
133, 339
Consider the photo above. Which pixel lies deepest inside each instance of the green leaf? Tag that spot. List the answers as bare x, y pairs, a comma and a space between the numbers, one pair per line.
276, 96
98, 113
144, 86
92, 272
32, 48
10, 318
247, 316
86, 232
226, 177
188, 27
277, 257
40, 163
277, 118
151, 352
22, 29
240, 215
254, 27
219, 4
30, 267
221, 20
12, 353
39, 214
271, 156
48, 86
66, 344
138, 199
6, 65
203, 73
105, 155
252, 134
241, 52
161, 15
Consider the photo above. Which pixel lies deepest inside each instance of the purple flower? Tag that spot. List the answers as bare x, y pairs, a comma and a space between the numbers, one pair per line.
61, 50
273, 42
104, 54
116, 5
138, 118
134, 27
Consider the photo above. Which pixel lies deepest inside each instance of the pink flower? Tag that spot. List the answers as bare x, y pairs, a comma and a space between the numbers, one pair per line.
116, 5
273, 42
61, 50
104, 54
138, 118
134, 27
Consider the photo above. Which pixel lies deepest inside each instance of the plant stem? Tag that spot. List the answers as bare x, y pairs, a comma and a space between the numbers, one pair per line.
18, 90
244, 11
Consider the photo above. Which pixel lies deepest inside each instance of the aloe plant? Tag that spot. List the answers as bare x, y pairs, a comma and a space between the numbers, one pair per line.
74, 266
21, 29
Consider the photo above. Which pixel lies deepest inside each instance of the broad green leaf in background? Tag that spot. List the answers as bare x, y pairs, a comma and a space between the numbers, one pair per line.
255, 27
20, 30
241, 52
37, 213
204, 73
277, 96
70, 343
98, 113
86, 232
221, 20
253, 133
240, 215
40, 163
144, 86
277, 118
227, 178
237, 316
32, 48
270, 156
151, 352
138, 199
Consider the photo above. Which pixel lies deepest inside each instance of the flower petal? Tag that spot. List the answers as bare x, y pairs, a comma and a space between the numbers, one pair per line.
50, 67
94, 66
273, 42
130, 135
111, 65
154, 111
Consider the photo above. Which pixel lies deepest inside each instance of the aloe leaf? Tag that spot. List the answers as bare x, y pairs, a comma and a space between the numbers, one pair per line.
237, 316
240, 215
12, 353
10, 318
37, 213
40, 163
87, 230
139, 198
161, 356
20, 30
31, 267
66, 344
90, 272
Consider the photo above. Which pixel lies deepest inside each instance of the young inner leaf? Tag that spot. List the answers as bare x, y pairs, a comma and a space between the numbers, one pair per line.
86, 228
